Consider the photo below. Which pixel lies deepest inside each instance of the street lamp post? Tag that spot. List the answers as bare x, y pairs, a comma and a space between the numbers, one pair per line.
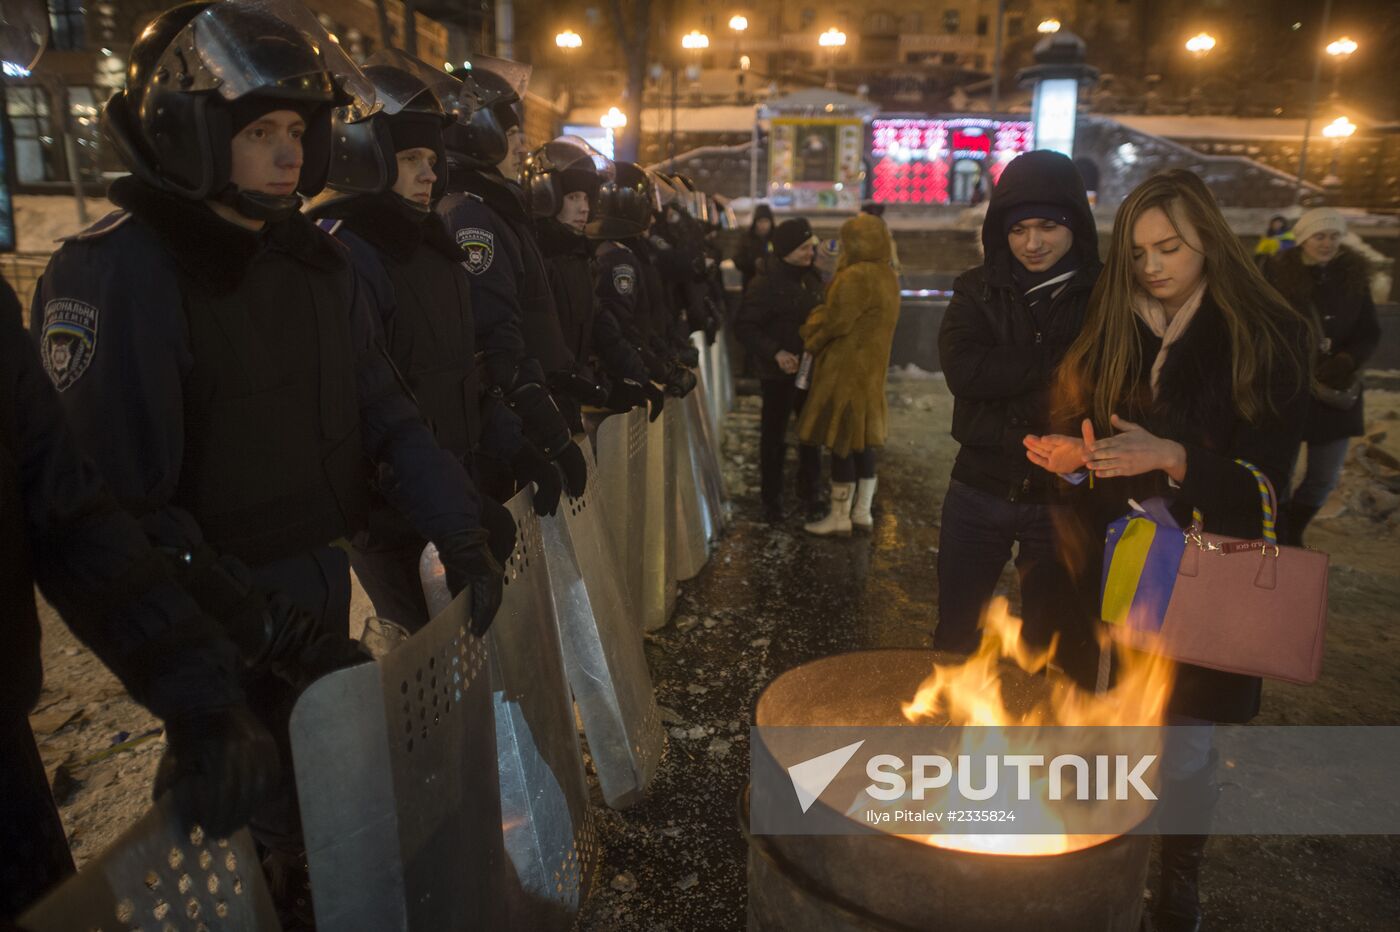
1339, 131
833, 40
1340, 51
614, 121
695, 42
1312, 103
1199, 46
568, 42
738, 24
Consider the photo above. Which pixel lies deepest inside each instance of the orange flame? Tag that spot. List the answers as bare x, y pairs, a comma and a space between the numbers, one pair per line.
972, 693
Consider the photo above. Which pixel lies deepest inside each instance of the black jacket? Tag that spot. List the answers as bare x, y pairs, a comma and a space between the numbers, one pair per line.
1337, 296
1194, 407
997, 356
774, 308
753, 249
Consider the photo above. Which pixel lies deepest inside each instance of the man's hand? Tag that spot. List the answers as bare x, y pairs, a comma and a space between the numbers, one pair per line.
787, 361
1133, 452
528, 466
219, 765
469, 564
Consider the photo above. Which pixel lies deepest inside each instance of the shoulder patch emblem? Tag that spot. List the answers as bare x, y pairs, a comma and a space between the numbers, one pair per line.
480, 248
69, 340
624, 278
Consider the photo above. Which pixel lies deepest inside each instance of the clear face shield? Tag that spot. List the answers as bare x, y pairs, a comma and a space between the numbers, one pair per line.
24, 32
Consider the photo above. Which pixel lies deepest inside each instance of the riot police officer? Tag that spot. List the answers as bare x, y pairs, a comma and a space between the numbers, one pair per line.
485, 213
61, 527
561, 181
217, 359
629, 285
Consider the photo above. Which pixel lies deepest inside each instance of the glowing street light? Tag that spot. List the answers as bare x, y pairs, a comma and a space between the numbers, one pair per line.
1340, 128
1048, 26
1342, 48
738, 23
568, 39
614, 119
1339, 131
1200, 44
833, 38
695, 40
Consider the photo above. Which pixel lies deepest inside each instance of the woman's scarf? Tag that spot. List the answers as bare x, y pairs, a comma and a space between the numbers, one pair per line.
1155, 316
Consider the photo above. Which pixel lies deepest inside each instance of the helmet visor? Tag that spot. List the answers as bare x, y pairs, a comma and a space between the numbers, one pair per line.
24, 31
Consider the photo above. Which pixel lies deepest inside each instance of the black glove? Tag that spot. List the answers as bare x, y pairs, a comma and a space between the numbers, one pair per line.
575, 469
469, 564
657, 398
499, 526
680, 382
711, 321
588, 391
626, 395
301, 650
219, 765
544, 426
528, 467
1336, 371
689, 356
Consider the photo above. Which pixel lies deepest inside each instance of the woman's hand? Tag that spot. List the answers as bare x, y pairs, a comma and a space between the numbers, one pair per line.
786, 361
1056, 453
1133, 452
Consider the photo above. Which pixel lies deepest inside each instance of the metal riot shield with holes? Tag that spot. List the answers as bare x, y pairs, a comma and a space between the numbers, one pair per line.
694, 525
603, 655
621, 494
709, 486
659, 535
725, 389
157, 876
397, 786
549, 834
711, 474
708, 381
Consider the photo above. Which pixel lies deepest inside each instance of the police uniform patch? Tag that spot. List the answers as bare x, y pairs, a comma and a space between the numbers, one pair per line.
70, 340
624, 278
479, 246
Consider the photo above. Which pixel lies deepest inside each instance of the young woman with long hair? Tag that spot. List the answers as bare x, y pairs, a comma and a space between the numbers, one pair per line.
1188, 361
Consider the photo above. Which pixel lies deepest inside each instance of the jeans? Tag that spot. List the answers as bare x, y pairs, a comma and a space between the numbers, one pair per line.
1186, 748
781, 400
1323, 472
974, 543
860, 464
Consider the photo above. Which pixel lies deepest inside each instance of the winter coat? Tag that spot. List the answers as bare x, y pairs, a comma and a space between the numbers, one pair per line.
753, 249
1337, 296
1194, 407
997, 355
772, 313
850, 336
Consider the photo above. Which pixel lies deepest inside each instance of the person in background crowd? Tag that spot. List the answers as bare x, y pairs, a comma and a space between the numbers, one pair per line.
1276, 239
61, 528
849, 337
1187, 364
1328, 283
1009, 323
753, 248
774, 308
876, 209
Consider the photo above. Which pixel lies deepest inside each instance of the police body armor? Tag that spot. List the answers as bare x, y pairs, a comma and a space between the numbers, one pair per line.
273, 463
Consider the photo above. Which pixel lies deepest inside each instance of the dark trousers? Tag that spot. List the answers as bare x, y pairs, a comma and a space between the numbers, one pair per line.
781, 400
33, 849
860, 464
974, 543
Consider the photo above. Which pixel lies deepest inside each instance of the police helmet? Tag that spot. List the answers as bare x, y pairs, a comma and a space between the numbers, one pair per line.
201, 71
559, 168
626, 203
364, 153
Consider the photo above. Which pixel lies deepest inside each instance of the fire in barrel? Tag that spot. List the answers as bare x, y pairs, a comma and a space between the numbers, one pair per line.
1071, 861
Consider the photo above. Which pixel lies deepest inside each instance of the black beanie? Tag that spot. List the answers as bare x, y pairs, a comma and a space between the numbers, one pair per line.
790, 234
1037, 211
415, 130
253, 107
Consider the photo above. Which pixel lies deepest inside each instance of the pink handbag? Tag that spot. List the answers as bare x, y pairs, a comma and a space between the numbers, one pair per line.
1243, 606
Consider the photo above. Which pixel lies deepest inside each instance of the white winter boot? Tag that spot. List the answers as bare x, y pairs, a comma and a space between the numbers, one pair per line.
860, 510
838, 521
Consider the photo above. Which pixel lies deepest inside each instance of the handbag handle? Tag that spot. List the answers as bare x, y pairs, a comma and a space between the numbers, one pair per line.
1268, 502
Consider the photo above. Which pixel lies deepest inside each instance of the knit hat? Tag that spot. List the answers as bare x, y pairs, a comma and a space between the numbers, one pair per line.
1042, 211
791, 234
1316, 221
414, 129
252, 107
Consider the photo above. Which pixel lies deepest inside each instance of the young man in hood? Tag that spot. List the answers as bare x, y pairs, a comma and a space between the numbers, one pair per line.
1008, 325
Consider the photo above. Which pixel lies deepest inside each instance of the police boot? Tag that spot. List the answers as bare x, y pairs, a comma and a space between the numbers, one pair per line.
861, 519
289, 882
1294, 517
1186, 803
838, 520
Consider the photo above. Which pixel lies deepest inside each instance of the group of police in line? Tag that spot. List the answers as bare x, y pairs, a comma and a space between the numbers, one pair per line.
340, 313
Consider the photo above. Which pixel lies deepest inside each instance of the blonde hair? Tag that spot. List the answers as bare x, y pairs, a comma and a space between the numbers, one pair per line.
1103, 368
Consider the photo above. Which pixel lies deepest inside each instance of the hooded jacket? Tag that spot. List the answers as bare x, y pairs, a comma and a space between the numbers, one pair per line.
850, 335
997, 355
753, 248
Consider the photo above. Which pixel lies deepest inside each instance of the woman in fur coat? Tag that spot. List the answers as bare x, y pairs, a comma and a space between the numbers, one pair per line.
1328, 283
1188, 362
849, 337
